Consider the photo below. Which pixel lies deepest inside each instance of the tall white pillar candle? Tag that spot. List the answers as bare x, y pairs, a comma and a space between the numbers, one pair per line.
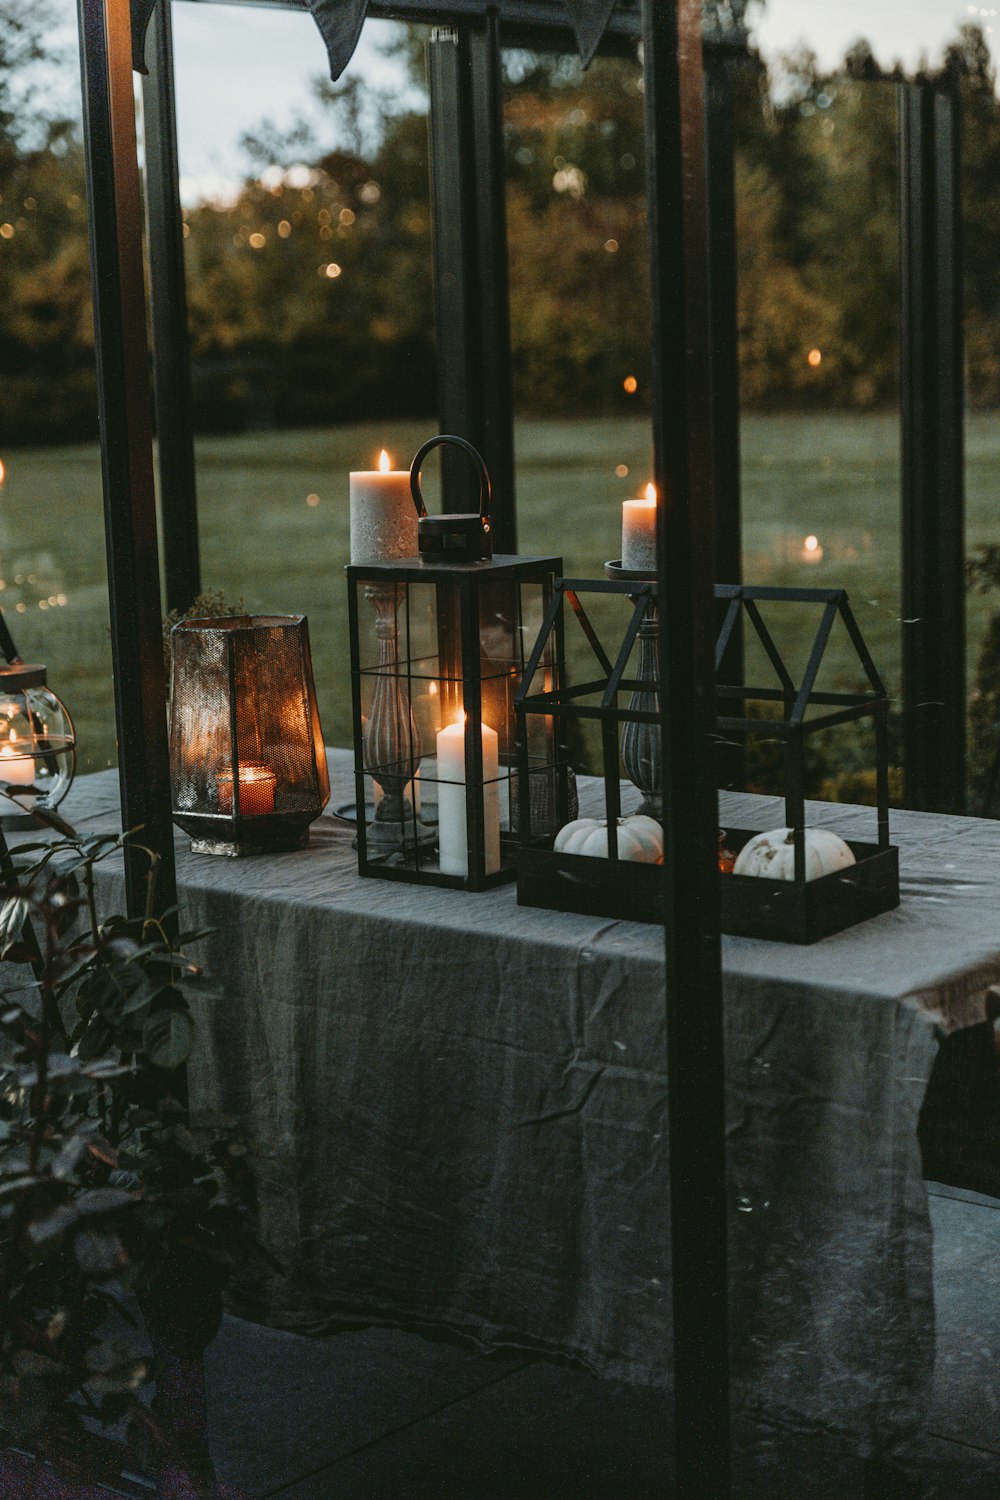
453, 833
639, 533
383, 515
16, 769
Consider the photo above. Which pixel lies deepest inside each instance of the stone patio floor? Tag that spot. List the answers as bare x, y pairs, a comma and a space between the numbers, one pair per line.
377, 1414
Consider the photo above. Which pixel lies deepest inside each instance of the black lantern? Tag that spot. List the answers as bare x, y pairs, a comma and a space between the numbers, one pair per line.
611, 865
248, 767
438, 649
37, 746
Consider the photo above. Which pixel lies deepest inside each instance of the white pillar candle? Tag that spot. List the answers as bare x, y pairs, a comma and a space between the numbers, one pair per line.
383, 515
453, 834
639, 533
16, 768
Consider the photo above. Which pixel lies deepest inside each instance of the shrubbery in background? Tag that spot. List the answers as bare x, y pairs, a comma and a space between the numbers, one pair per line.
310, 293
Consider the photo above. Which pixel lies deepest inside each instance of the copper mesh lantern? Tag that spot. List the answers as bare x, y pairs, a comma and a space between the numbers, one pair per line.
37, 746
247, 763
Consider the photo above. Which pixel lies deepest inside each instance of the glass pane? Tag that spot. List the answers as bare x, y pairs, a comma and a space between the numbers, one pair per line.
309, 288
819, 297
580, 308
53, 588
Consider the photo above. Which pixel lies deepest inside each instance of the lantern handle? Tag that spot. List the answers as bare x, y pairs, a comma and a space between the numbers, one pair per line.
477, 458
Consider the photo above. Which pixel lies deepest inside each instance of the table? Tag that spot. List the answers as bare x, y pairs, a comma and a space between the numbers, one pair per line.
459, 1111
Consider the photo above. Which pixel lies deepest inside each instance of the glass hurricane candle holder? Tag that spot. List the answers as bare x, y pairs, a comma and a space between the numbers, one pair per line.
247, 763
37, 746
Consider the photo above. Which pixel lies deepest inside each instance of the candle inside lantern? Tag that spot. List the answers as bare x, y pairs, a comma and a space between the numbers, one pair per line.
16, 768
639, 533
453, 833
383, 516
256, 784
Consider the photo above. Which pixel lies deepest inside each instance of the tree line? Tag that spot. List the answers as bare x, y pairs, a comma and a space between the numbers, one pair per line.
311, 295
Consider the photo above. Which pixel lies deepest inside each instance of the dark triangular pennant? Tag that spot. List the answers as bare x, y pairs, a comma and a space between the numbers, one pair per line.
589, 19
340, 22
142, 14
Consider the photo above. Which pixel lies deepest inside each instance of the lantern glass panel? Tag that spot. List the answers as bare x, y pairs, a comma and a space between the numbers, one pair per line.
439, 656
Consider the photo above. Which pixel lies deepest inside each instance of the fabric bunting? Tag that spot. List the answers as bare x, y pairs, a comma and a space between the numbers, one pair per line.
340, 23
589, 19
141, 12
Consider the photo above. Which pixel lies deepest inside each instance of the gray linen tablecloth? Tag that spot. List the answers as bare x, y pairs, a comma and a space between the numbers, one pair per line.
458, 1107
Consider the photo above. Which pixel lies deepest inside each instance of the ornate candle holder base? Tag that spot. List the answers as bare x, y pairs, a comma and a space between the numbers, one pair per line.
642, 752
395, 830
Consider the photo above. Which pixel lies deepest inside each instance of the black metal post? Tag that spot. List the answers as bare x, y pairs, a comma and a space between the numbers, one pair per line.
115, 205
683, 453
470, 262
171, 367
932, 447
725, 372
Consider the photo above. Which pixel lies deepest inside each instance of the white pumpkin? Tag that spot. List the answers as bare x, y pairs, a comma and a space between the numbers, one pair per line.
773, 854
639, 839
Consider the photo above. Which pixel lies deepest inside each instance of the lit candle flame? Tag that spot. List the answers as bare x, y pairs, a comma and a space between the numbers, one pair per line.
811, 543
384, 462
651, 494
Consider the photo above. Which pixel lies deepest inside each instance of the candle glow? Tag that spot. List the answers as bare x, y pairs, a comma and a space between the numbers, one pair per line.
639, 532
383, 518
256, 784
16, 768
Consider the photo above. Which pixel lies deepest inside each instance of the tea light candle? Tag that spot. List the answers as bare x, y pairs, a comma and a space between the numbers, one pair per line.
639, 533
453, 834
16, 769
257, 784
383, 515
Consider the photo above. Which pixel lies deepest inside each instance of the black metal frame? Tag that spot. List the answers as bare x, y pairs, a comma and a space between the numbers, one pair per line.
168, 297
472, 294
932, 412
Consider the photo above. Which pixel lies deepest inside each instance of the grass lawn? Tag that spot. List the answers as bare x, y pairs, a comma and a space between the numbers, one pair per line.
835, 477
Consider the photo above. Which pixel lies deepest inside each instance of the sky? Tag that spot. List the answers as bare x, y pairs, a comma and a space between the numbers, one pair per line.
240, 65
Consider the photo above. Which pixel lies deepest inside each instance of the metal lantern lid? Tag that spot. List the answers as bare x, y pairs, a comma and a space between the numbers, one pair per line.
18, 675
453, 538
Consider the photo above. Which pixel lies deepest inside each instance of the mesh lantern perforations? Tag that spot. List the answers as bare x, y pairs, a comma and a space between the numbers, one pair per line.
37, 745
247, 763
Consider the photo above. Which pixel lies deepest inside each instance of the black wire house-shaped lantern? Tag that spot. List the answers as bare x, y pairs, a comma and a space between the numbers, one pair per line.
780, 886
434, 678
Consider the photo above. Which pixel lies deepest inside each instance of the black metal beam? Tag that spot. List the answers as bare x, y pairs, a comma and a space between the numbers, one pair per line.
725, 373
683, 457
125, 406
932, 410
470, 263
171, 366
542, 18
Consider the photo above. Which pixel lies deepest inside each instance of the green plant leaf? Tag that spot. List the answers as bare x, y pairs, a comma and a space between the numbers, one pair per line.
167, 1037
12, 916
